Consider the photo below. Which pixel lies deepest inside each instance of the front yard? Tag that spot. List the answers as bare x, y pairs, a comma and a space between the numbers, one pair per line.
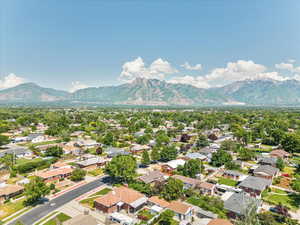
61, 217
227, 181
9, 208
89, 201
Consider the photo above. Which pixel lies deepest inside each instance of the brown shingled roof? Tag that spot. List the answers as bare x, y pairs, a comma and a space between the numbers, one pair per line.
158, 201
219, 222
120, 194
179, 207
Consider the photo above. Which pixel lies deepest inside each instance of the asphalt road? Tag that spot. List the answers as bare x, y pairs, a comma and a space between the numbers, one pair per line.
39, 212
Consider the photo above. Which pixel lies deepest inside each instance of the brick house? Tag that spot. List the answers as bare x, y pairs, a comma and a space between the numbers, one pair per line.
55, 174
255, 185
121, 198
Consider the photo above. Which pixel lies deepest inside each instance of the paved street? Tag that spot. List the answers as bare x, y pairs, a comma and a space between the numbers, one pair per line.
43, 210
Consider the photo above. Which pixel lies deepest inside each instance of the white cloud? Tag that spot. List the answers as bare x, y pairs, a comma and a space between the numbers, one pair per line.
187, 66
195, 81
285, 66
235, 71
158, 69
11, 80
77, 85
291, 60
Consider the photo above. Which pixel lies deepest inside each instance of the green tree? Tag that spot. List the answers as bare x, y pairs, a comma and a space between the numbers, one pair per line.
202, 141
173, 189
35, 190
229, 145
155, 154
280, 164
168, 153
3, 140
142, 140
166, 217
251, 217
122, 168
291, 143
78, 174
192, 167
145, 158
108, 139
54, 151
296, 185
246, 154
220, 157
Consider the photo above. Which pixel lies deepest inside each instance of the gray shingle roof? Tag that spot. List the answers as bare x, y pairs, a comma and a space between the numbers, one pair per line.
270, 170
152, 176
239, 203
255, 183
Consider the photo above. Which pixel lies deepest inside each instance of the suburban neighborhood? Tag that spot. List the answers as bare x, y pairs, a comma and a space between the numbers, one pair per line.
149, 166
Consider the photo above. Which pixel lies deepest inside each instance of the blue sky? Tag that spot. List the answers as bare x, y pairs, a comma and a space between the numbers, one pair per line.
57, 42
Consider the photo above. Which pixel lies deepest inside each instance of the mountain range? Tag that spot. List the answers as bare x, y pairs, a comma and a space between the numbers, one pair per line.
161, 93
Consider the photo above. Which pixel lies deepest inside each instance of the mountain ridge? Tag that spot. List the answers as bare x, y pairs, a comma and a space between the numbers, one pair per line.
154, 92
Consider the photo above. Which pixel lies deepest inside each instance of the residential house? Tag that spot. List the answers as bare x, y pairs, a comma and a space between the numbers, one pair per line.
271, 161
87, 143
196, 155
155, 200
112, 152
136, 148
55, 174
266, 171
152, 177
255, 185
279, 153
36, 137
219, 222
201, 213
121, 219
187, 181
238, 204
19, 152
231, 174
91, 163
207, 188
121, 198
182, 210
8, 191
172, 165
82, 219
70, 148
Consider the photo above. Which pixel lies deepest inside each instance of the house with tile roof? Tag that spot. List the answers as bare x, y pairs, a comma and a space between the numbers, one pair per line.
55, 174
121, 198
182, 210
8, 191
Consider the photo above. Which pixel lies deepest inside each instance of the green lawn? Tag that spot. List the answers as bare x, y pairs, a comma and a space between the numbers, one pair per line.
23, 160
227, 181
104, 191
90, 200
9, 208
61, 217
44, 143
291, 201
96, 172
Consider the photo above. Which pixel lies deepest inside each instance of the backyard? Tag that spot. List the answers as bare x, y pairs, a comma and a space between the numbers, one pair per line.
277, 197
227, 181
